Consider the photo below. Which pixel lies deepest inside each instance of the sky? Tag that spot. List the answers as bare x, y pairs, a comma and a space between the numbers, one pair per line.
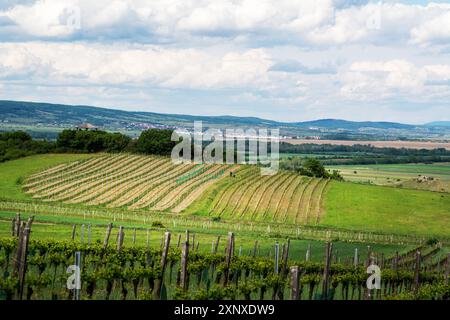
293, 60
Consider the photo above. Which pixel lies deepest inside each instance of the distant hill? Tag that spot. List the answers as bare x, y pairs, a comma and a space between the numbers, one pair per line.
353, 125
40, 118
439, 124
47, 113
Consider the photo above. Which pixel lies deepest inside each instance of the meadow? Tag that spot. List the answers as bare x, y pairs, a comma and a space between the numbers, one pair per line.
12, 173
399, 175
396, 210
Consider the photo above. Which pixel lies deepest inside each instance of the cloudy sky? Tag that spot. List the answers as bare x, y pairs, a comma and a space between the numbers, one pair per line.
285, 60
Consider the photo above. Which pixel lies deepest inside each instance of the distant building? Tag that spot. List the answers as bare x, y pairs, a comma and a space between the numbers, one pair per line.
87, 126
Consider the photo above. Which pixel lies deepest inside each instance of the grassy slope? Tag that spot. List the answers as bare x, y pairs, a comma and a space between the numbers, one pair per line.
11, 172
50, 227
376, 208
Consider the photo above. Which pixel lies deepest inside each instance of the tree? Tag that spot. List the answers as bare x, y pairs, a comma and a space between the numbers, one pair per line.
154, 141
92, 141
315, 168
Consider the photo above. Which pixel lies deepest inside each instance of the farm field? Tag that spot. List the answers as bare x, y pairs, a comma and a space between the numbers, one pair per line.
379, 144
357, 206
125, 180
399, 175
143, 185
12, 173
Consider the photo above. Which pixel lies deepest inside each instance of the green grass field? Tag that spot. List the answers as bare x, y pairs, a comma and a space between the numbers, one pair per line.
375, 208
46, 227
400, 175
13, 172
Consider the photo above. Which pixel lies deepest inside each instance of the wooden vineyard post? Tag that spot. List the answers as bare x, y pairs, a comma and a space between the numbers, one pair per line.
24, 255
277, 254
184, 262
159, 281
284, 268
17, 225
77, 288
285, 257
13, 227
447, 269
295, 283
193, 242
356, 258
107, 235
369, 257
255, 247
216, 247
230, 248
89, 235
326, 270
74, 230
82, 234
120, 239
18, 253
179, 240
187, 236
417, 271
396, 261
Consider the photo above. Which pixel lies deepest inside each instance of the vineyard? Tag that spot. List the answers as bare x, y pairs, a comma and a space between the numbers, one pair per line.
154, 183
130, 181
174, 269
284, 198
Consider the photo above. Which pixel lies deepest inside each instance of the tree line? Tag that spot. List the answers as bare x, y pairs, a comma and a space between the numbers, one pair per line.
17, 144
330, 154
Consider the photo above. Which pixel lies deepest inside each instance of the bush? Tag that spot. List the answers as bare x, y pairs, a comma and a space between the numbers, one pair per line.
157, 224
432, 241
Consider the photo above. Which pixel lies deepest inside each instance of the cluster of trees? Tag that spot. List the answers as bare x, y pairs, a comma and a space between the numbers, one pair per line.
152, 141
308, 167
92, 141
17, 144
359, 148
366, 154
14, 145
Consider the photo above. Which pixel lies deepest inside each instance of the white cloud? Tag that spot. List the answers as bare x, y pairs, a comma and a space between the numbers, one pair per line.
372, 80
114, 64
263, 56
322, 22
433, 30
